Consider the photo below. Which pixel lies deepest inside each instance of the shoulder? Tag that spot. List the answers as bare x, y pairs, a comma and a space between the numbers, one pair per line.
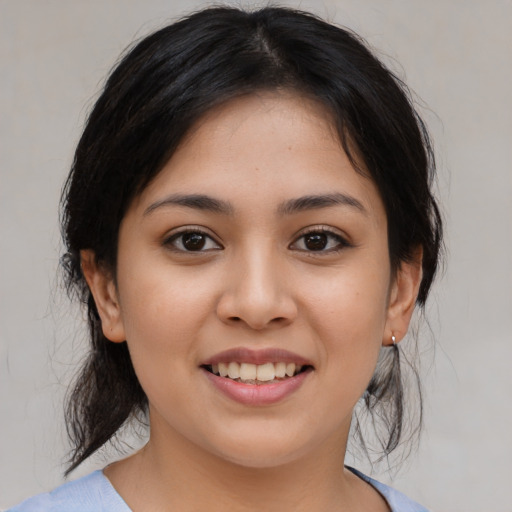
397, 501
91, 493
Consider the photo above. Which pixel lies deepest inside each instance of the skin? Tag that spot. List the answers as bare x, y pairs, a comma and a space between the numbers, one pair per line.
256, 284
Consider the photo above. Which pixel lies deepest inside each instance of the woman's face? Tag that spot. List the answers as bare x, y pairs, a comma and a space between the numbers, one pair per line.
257, 243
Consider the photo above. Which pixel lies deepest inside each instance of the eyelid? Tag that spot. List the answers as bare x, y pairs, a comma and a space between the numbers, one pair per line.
328, 230
177, 232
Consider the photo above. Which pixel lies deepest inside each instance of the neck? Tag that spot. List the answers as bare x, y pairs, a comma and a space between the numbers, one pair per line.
172, 473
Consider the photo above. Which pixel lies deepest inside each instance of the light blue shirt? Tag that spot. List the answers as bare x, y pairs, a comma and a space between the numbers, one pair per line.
94, 493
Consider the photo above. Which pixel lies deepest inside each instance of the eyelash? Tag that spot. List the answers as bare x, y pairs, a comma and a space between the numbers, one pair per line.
171, 240
341, 242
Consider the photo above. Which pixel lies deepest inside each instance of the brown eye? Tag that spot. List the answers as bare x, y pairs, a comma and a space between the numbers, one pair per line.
321, 240
316, 241
192, 241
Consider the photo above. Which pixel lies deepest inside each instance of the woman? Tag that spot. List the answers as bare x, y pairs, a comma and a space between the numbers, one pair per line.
249, 222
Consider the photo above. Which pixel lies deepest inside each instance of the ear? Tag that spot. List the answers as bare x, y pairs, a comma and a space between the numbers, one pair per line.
402, 297
103, 289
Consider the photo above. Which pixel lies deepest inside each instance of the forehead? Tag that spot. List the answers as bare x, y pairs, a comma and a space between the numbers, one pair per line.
278, 143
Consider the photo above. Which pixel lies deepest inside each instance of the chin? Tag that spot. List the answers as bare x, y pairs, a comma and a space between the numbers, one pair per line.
263, 451
261, 460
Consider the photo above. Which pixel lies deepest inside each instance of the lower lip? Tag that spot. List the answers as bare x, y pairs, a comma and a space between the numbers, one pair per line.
257, 394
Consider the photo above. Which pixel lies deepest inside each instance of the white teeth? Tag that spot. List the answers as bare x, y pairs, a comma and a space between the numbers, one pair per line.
266, 372
223, 369
280, 369
248, 371
251, 373
234, 370
290, 369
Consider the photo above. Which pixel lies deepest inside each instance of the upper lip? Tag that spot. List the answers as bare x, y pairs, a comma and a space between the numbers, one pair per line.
256, 356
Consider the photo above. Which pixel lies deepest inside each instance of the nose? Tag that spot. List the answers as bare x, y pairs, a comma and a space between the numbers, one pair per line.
257, 293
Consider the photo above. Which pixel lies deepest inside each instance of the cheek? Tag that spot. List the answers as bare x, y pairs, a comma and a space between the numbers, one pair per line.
157, 299
162, 316
348, 315
348, 301
163, 312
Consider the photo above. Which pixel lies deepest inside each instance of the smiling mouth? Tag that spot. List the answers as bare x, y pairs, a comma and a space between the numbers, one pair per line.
256, 374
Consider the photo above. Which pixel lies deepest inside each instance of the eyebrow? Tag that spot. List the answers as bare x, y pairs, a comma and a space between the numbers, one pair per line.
297, 205
316, 202
196, 201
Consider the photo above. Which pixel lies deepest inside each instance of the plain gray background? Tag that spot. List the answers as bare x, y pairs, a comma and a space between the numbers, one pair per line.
456, 55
